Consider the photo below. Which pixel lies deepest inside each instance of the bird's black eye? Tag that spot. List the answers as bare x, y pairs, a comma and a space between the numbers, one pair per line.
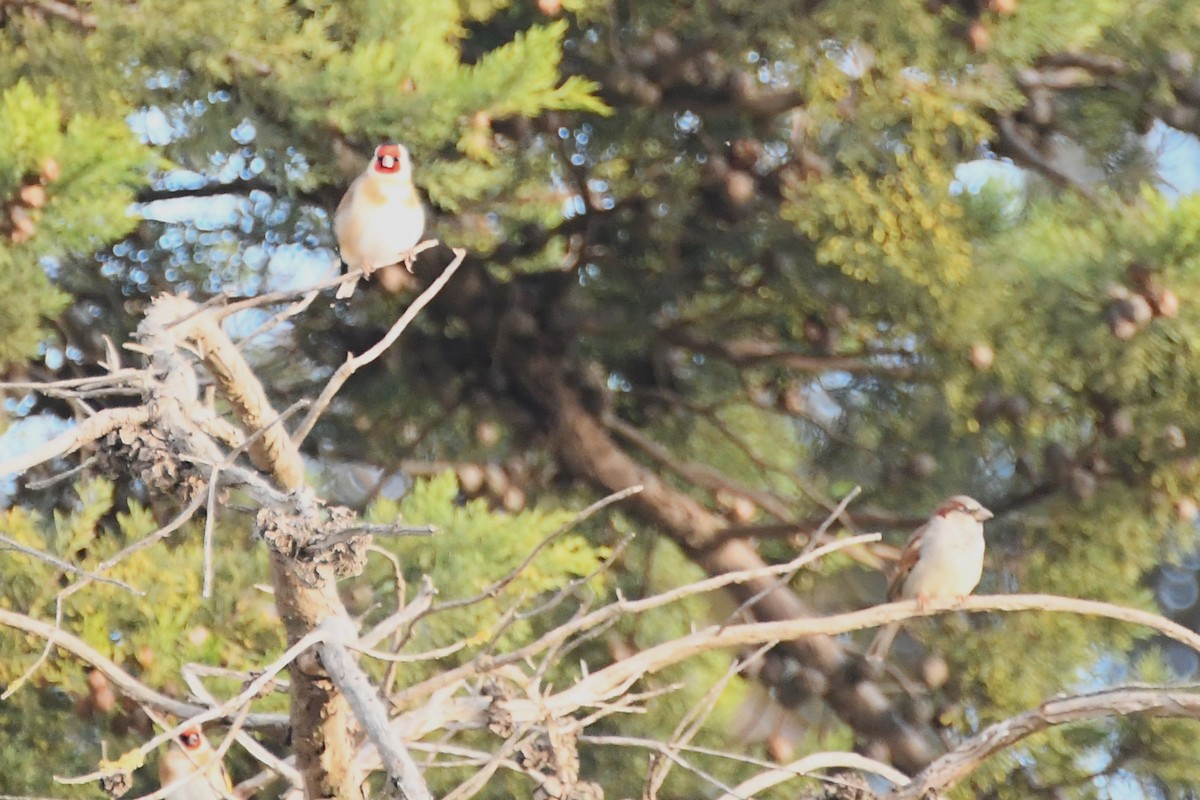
190, 739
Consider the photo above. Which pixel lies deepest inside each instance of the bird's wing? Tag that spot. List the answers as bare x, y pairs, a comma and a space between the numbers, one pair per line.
346, 224
908, 560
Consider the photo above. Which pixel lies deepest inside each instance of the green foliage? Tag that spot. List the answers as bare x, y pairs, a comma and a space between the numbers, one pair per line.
819, 328
890, 214
152, 634
473, 549
90, 166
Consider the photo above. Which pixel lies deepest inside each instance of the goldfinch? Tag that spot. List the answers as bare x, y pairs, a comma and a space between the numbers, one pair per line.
191, 754
380, 219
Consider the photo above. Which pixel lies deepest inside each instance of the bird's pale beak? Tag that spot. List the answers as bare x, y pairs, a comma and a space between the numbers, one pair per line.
983, 514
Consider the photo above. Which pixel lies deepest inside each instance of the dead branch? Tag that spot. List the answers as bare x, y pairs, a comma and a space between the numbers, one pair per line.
610, 612
230, 709
55, 561
122, 680
1118, 701
173, 323
349, 677
354, 363
612, 680
70, 440
811, 763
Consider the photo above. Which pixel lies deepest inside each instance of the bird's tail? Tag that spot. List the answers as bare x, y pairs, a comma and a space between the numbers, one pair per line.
879, 648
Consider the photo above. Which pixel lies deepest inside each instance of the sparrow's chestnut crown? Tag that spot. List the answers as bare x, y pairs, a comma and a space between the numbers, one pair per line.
965, 504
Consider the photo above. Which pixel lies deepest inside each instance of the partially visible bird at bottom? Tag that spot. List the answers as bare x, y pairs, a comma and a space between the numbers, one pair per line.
943, 559
380, 218
192, 755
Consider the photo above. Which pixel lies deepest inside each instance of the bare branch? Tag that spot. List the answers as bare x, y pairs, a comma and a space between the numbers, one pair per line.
811, 763
406, 615
786, 577
349, 677
66, 566
226, 710
601, 687
126, 683
612, 611
1118, 701
343, 535
172, 321
70, 440
353, 364
605, 683
498, 586
691, 723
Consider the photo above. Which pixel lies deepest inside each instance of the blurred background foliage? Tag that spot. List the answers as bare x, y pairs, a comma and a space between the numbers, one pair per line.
774, 250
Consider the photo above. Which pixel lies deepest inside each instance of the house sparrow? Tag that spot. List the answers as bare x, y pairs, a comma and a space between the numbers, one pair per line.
943, 558
192, 755
380, 219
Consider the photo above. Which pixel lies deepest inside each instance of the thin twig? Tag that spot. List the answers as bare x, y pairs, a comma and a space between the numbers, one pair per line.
275, 319
787, 576
809, 763
15, 686
221, 711
66, 566
141, 544
354, 363
691, 722
620, 608
53, 480
126, 683
568, 590
495, 589
412, 611
408, 658
367, 529
210, 518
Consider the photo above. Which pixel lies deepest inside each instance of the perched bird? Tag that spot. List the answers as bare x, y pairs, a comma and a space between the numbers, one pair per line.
192, 755
942, 559
380, 219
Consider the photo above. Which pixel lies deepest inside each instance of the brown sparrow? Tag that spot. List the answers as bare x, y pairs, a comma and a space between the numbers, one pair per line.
192, 755
943, 558
380, 219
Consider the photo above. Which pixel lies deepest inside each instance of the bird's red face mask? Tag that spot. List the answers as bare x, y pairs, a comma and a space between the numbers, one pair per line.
389, 158
191, 739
